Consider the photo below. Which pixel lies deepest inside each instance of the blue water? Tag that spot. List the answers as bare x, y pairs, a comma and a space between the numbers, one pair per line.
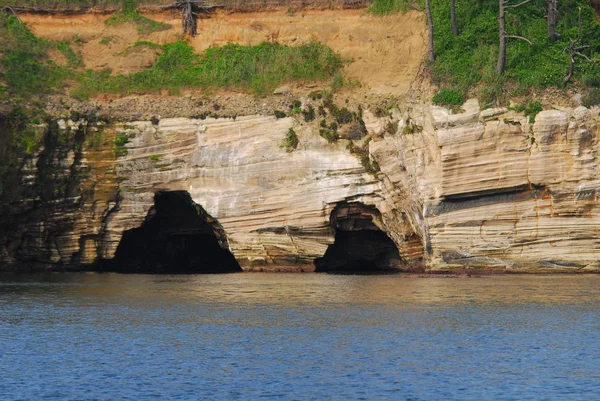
299, 337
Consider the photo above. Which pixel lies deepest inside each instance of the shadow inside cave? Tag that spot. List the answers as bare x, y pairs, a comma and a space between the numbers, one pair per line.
177, 237
360, 247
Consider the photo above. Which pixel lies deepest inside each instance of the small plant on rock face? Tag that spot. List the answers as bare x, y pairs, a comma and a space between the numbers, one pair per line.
309, 114
529, 109
119, 143
290, 142
329, 136
154, 158
315, 95
279, 114
391, 127
362, 152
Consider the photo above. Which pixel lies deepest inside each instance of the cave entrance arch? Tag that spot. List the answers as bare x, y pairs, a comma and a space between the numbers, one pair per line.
360, 246
177, 236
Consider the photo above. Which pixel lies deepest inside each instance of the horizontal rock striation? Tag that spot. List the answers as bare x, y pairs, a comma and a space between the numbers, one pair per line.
474, 190
498, 191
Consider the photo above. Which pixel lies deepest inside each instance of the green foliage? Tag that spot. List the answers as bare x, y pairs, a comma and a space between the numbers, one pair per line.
309, 114
119, 142
411, 127
468, 61
330, 136
140, 43
449, 97
391, 127
257, 69
107, 40
591, 80
529, 109
129, 14
27, 140
154, 158
315, 95
290, 142
362, 152
341, 115
279, 114
387, 7
74, 60
591, 98
25, 67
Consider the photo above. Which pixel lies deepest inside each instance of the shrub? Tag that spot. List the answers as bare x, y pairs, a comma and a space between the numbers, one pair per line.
309, 114
119, 143
591, 98
343, 116
529, 109
449, 97
329, 136
121, 140
290, 142
592, 80
315, 95
279, 114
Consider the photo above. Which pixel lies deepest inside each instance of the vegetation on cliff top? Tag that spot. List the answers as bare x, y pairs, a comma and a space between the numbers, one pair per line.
467, 62
26, 69
257, 69
129, 13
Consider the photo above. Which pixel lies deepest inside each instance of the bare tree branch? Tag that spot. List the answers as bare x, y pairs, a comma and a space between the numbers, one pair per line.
574, 50
503, 37
584, 56
520, 37
516, 5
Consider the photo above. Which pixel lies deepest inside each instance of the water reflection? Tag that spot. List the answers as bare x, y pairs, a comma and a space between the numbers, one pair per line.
314, 289
298, 336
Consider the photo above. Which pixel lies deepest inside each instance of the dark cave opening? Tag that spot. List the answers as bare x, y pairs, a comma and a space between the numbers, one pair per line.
360, 247
177, 237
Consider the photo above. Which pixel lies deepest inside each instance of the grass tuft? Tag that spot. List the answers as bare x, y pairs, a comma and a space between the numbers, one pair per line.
74, 60
257, 69
129, 14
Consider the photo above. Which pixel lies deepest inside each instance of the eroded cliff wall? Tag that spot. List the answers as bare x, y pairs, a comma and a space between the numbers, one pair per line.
480, 189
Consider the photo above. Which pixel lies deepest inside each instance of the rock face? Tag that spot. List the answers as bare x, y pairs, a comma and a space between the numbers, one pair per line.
498, 191
480, 189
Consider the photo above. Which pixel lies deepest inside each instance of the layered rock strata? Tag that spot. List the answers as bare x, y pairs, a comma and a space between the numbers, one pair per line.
497, 190
479, 189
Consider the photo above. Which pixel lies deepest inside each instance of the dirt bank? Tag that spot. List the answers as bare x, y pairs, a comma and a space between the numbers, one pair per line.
384, 54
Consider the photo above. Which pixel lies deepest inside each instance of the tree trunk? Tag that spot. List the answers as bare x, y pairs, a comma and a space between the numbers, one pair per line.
431, 52
502, 50
453, 17
552, 20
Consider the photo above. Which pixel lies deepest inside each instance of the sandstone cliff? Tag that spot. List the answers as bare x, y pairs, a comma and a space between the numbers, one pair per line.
480, 189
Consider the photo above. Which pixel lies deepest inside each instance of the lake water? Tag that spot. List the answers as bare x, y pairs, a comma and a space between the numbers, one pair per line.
299, 337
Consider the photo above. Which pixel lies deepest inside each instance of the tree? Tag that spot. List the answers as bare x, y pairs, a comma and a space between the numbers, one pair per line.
574, 49
190, 9
453, 17
431, 51
503, 6
552, 6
